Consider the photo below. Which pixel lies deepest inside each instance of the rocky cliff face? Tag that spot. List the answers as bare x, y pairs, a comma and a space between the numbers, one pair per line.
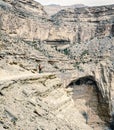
37, 102
84, 24
24, 19
94, 87
77, 46
43, 103
28, 20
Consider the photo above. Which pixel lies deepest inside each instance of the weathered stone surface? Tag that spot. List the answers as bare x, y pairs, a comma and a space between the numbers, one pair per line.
34, 111
91, 96
28, 37
26, 19
83, 24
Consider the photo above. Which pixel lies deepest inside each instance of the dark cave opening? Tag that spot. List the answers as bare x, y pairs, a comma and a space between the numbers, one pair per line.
112, 30
87, 89
112, 122
84, 80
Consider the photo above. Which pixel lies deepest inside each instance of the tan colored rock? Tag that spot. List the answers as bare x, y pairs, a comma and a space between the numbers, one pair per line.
29, 100
83, 24
34, 111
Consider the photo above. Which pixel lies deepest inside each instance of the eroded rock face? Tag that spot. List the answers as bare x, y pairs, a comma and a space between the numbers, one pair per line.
87, 97
92, 96
24, 19
37, 102
84, 24
28, 20
25, 30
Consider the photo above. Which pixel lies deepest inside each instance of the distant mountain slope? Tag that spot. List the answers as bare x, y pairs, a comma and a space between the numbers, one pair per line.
53, 8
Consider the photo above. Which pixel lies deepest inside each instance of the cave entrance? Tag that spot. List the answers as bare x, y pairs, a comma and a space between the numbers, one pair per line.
88, 99
112, 30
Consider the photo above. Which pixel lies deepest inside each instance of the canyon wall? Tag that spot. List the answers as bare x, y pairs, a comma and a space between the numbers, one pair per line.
84, 24
74, 44
24, 19
28, 20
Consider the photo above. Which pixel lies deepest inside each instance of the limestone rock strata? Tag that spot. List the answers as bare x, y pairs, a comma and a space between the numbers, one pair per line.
37, 102
95, 87
24, 19
41, 101
19, 55
27, 101
28, 20
83, 24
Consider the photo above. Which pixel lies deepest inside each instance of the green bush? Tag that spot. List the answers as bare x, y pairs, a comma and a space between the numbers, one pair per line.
66, 51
